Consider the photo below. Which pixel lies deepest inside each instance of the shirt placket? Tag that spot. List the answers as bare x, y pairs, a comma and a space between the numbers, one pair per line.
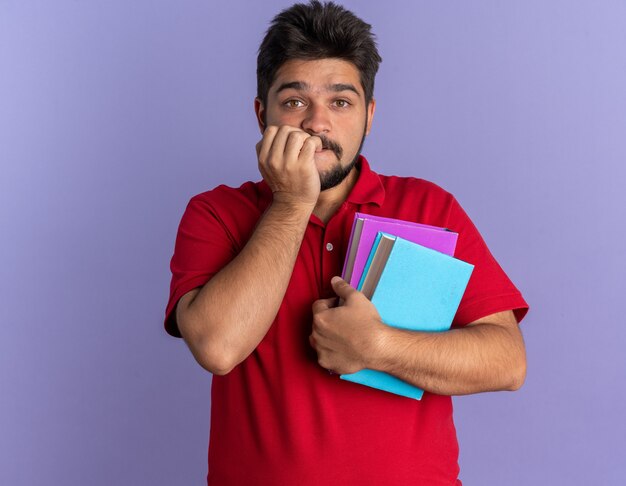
331, 248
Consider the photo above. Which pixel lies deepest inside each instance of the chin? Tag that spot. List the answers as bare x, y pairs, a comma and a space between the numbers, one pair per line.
326, 162
334, 176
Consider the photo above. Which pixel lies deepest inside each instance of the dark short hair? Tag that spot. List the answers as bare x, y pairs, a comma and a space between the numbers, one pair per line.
317, 31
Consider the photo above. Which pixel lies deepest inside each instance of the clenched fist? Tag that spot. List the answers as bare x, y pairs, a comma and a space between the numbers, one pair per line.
287, 163
346, 337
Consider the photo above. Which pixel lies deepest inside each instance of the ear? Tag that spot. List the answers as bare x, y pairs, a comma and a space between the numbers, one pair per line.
371, 108
259, 110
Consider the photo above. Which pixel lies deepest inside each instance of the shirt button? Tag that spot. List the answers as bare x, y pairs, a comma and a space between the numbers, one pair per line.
329, 246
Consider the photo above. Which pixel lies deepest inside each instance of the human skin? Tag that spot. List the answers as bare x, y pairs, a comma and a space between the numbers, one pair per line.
486, 355
320, 98
225, 320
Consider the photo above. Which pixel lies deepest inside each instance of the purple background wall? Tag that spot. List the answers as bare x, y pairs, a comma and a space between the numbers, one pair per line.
113, 114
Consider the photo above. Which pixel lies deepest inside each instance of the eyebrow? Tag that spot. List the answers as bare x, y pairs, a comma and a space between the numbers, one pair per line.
304, 86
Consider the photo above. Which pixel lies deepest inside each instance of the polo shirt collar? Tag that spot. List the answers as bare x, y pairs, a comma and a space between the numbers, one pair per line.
368, 187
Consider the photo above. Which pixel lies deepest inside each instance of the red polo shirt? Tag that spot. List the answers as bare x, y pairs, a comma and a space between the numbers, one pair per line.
278, 418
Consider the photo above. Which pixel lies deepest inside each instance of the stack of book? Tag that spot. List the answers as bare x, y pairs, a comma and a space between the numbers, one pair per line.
409, 273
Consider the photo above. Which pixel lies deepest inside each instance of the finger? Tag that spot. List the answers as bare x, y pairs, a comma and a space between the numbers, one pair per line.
342, 288
322, 305
266, 143
276, 155
310, 146
294, 144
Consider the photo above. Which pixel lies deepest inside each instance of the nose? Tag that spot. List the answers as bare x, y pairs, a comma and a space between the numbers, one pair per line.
316, 120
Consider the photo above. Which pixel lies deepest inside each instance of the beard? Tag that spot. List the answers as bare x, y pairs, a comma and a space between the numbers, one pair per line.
336, 175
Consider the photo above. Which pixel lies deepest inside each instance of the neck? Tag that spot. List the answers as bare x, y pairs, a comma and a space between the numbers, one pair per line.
330, 199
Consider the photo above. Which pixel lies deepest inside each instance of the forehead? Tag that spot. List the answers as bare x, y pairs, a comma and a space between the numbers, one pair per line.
318, 74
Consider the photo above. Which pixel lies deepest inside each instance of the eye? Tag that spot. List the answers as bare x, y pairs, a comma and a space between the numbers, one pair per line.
293, 103
342, 103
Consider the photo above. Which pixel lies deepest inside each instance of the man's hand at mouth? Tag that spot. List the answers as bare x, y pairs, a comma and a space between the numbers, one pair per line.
286, 158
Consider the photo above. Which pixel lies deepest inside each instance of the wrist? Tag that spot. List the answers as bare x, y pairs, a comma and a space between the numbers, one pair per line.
377, 356
291, 205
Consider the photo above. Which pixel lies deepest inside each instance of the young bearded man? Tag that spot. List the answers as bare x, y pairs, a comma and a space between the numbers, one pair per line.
254, 287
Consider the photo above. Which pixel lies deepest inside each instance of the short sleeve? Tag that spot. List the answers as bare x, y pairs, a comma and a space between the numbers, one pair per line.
203, 247
489, 289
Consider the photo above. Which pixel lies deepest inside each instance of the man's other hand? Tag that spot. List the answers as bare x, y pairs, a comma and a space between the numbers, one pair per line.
345, 337
287, 163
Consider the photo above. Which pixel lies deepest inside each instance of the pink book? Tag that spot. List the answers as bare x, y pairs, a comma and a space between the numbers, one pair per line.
366, 227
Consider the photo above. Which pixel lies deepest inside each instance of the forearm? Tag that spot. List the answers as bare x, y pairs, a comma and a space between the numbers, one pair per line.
231, 314
478, 358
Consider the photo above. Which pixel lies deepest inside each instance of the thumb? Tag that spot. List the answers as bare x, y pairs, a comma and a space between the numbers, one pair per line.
342, 288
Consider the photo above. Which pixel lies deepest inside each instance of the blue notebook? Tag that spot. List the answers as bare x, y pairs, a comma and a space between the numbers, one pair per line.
419, 289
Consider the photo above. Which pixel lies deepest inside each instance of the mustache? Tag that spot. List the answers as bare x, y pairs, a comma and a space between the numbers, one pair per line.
328, 144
